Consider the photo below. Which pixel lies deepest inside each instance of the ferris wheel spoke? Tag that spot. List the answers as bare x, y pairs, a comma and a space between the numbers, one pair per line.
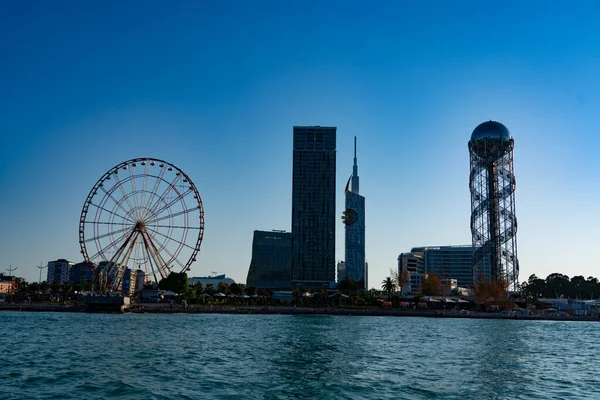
162, 266
118, 203
101, 251
124, 194
187, 210
145, 185
127, 255
172, 202
171, 186
153, 193
134, 194
108, 223
116, 258
108, 234
176, 227
110, 212
170, 238
150, 261
173, 258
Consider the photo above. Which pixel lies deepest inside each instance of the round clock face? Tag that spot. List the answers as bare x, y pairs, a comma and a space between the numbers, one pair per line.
351, 216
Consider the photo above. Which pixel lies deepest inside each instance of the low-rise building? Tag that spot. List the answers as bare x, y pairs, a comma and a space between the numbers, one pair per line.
213, 280
9, 284
270, 266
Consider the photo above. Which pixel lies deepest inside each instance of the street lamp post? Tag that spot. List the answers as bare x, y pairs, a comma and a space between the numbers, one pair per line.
41, 268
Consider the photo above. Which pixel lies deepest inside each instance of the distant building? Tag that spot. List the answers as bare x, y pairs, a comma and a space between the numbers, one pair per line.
341, 271
448, 262
210, 280
9, 284
284, 296
412, 267
81, 273
150, 296
354, 220
270, 266
313, 207
140, 280
58, 271
126, 284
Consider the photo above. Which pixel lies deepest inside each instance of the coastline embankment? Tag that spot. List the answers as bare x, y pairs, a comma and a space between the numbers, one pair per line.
165, 308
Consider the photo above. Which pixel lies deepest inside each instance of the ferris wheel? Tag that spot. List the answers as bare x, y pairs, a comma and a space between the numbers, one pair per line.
143, 215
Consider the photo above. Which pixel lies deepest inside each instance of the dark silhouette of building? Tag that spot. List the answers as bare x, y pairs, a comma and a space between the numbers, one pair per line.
354, 220
271, 260
313, 207
81, 273
493, 219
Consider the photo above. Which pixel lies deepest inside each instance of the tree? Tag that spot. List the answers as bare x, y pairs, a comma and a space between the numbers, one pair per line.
235, 289
533, 288
431, 285
490, 291
210, 289
347, 285
67, 289
577, 287
223, 288
250, 290
401, 279
34, 288
389, 286
175, 282
557, 285
56, 286
198, 288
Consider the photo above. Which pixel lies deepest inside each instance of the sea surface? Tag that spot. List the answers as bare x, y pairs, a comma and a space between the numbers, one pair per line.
219, 356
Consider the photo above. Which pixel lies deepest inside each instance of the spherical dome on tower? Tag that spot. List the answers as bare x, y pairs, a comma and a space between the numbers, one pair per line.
490, 130
490, 139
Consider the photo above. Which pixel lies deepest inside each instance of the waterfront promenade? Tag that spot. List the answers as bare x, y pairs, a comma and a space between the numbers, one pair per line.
166, 308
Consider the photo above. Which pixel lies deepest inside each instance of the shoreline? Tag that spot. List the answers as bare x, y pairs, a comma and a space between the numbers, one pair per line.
153, 308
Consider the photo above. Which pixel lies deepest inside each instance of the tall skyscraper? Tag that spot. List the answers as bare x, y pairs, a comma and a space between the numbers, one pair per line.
493, 219
313, 207
354, 219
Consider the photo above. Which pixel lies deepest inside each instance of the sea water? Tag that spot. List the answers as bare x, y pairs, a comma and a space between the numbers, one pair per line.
219, 356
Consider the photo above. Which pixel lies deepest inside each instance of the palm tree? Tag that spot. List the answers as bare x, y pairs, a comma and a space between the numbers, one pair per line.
388, 285
67, 289
210, 289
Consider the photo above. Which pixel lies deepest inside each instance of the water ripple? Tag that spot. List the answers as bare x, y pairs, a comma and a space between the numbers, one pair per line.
154, 356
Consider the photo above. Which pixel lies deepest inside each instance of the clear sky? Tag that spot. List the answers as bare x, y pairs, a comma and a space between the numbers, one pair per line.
215, 88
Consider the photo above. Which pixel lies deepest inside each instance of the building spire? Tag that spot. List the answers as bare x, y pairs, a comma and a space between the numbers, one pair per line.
355, 171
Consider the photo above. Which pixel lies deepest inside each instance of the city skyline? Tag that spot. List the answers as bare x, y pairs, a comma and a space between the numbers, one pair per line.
215, 90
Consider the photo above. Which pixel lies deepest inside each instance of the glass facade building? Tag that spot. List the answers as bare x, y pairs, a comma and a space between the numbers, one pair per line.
271, 260
354, 220
81, 273
313, 207
449, 262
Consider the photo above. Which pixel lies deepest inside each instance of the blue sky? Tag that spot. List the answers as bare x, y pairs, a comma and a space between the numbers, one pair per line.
216, 87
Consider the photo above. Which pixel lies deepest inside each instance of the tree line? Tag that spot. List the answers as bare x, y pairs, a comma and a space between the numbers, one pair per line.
561, 286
